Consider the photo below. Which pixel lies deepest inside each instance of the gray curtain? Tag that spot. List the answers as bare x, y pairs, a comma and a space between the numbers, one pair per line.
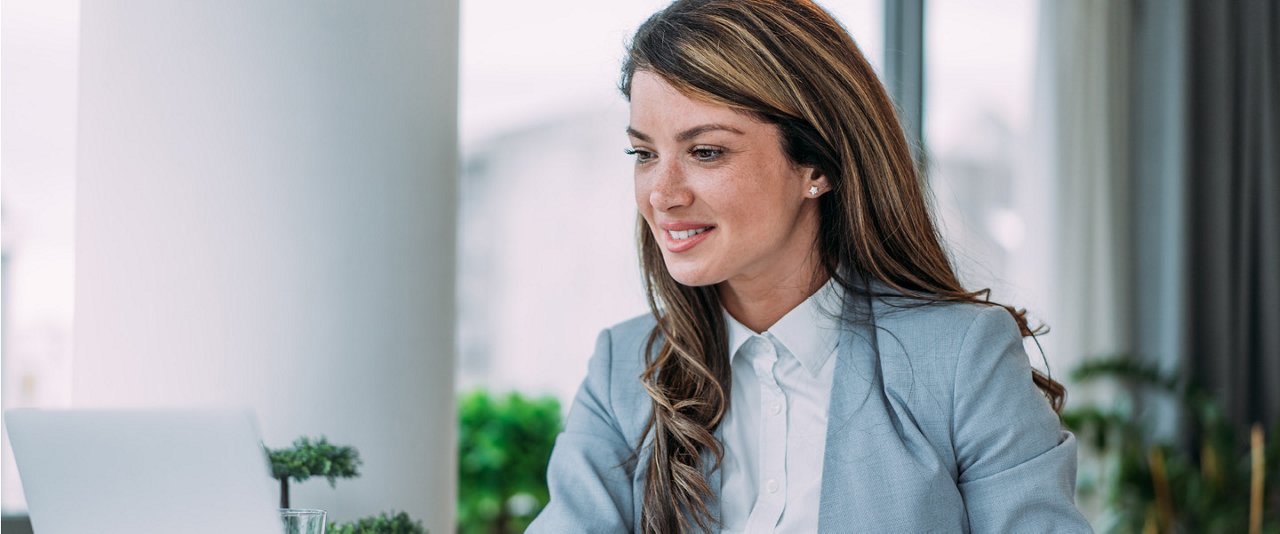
1231, 325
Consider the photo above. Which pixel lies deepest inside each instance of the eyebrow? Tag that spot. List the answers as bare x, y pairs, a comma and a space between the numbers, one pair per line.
687, 134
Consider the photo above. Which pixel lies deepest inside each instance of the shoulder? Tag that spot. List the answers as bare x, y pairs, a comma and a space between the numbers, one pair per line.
615, 369
946, 316
937, 356
947, 330
626, 342
632, 331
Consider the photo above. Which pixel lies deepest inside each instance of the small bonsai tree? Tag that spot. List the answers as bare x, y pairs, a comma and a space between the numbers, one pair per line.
307, 459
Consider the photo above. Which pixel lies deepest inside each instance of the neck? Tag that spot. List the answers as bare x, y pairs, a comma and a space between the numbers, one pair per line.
758, 303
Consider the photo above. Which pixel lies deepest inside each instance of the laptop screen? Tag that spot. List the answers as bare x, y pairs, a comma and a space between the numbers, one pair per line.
143, 471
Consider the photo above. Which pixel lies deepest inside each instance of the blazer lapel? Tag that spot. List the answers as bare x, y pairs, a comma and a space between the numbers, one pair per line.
856, 376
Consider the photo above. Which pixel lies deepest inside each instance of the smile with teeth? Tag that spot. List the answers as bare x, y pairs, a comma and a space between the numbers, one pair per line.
680, 235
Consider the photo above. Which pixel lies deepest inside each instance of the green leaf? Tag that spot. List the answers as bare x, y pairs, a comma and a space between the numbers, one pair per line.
383, 523
308, 458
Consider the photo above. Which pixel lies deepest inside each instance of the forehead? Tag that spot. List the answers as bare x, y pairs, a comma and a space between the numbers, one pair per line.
657, 106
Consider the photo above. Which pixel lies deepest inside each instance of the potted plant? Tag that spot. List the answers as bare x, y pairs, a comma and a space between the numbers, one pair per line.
309, 458
1147, 485
383, 523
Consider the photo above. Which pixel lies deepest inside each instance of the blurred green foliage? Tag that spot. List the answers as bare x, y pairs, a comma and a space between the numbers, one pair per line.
383, 523
1151, 486
504, 443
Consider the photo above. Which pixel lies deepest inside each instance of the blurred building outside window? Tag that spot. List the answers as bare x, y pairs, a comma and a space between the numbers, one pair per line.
987, 174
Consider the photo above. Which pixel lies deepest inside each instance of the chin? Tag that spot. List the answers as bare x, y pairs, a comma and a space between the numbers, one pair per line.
692, 275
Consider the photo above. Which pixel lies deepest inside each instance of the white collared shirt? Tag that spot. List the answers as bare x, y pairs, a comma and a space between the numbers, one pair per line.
776, 428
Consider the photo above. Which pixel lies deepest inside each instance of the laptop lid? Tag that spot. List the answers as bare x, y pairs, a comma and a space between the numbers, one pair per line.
143, 472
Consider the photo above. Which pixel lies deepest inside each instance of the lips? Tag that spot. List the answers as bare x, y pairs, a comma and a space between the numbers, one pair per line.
682, 236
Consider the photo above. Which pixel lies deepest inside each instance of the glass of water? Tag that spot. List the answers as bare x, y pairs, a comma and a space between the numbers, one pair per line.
299, 521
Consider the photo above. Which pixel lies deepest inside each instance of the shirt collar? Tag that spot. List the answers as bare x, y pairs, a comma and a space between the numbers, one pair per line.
738, 334
810, 331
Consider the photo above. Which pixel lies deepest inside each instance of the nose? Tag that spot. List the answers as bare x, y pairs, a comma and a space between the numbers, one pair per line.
669, 188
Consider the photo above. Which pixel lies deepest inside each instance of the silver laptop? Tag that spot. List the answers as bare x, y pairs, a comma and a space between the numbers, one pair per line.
143, 472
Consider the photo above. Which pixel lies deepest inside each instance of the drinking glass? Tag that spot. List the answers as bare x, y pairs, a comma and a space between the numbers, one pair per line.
299, 521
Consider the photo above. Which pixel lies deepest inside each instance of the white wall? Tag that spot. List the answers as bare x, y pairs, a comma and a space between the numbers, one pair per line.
38, 50
265, 217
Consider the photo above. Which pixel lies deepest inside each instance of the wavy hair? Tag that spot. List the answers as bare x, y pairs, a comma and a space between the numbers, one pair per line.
790, 64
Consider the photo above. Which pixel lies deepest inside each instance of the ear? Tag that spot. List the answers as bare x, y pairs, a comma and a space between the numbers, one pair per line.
815, 180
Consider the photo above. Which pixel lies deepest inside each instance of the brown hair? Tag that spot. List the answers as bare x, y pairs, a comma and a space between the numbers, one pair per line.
791, 64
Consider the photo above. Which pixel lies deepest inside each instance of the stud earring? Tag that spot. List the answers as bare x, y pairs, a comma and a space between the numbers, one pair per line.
813, 190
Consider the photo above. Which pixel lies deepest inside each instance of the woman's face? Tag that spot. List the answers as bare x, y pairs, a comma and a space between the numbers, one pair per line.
722, 199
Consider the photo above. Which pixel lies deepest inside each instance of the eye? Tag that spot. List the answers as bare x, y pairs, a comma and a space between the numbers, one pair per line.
703, 153
641, 154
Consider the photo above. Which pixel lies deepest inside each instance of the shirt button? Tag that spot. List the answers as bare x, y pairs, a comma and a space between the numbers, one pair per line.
772, 486
776, 408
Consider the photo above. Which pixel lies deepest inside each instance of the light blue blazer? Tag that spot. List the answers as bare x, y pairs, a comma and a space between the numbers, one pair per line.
934, 426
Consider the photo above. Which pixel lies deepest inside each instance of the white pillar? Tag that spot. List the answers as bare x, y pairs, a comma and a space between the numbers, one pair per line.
266, 218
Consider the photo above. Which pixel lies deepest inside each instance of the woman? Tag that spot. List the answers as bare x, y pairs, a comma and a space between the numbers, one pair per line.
811, 362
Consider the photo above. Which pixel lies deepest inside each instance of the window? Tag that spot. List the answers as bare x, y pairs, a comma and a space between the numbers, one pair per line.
992, 196
978, 94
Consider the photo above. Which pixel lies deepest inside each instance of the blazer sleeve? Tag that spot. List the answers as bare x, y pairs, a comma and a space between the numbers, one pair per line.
1016, 465
587, 477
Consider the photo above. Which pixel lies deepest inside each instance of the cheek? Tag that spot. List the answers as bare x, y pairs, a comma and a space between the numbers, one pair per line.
751, 205
763, 217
